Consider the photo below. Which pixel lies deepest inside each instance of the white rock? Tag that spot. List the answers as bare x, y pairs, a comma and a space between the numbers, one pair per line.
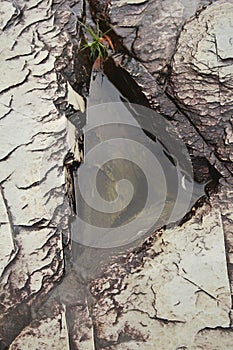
182, 290
48, 333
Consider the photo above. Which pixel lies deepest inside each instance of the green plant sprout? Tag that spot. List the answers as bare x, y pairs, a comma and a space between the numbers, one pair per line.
97, 47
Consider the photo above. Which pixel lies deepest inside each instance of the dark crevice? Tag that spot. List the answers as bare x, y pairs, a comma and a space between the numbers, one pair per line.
205, 141
6, 114
100, 11
124, 83
9, 213
80, 81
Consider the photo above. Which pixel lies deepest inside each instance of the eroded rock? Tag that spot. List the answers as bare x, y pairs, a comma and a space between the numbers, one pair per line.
33, 209
179, 286
150, 28
174, 291
201, 77
47, 333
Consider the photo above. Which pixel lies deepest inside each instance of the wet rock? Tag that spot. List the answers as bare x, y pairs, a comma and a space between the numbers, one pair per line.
156, 296
143, 31
47, 333
149, 29
158, 100
178, 286
201, 77
125, 318
218, 339
33, 208
73, 297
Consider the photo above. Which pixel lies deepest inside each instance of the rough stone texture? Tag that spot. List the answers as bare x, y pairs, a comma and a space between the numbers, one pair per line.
33, 209
71, 296
150, 29
174, 291
129, 313
218, 339
163, 298
202, 76
44, 334
159, 24
225, 197
196, 144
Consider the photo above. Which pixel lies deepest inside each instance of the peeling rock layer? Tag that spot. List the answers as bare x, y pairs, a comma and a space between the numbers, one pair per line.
44, 334
202, 76
33, 210
174, 288
174, 291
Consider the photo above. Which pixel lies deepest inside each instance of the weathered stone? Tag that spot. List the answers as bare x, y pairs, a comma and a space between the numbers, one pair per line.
133, 310
158, 100
217, 339
174, 291
150, 28
44, 334
140, 21
33, 208
42, 248
7, 12
202, 75
178, 287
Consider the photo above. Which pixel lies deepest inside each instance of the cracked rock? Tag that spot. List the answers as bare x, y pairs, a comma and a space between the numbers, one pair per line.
44, 334
33, 208
150, 28
174, 291
202, 75
179, 287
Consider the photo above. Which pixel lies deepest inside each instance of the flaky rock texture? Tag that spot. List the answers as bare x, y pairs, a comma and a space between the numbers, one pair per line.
132, 310
166, 296
174, 291
150, 28
150, 31
48, 333
33, 210
202, 76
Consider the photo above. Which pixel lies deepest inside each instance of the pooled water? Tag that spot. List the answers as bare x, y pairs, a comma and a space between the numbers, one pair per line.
136, 177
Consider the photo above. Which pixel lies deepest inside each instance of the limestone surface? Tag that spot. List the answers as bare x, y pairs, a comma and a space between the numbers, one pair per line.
202, 76
179, 286
174, 291
33, 208
48, 333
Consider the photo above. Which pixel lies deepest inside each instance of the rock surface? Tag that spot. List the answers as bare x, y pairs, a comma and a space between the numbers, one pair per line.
44, 334
149, 29
179, 286
148, 20
33, 210
202, 75
173, 292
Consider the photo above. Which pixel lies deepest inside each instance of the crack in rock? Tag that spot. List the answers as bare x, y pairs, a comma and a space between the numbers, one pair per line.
201, 63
